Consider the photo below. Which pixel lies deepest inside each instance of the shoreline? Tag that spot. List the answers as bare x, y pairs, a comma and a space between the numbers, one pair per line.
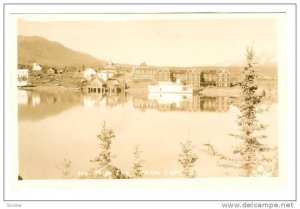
143, 92
50, 88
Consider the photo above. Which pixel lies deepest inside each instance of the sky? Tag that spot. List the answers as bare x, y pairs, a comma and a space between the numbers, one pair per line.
162, 42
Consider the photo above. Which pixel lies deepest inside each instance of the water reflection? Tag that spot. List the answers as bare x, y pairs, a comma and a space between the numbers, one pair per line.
35, 105
182, 102
160, 101
109, 100
35, 98
58, 122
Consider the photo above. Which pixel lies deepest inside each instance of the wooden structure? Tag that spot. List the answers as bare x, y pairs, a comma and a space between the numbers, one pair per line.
96, 85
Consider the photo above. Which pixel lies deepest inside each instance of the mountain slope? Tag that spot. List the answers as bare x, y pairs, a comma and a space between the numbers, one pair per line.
40, 50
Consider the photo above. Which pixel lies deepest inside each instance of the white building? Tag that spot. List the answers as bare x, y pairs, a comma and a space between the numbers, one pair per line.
36, 67
23, 75
169, 87
89, 73
106, 74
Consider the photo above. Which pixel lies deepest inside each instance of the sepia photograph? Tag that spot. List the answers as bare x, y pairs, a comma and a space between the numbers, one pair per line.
186, 102
147, 96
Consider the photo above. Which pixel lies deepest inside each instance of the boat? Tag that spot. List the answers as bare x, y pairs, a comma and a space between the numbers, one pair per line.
170, 87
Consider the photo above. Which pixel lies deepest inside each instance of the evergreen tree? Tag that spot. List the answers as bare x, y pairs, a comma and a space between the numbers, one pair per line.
105, 138
250, 127
65, 167
187, 159
138, 163
250, 155
105, 168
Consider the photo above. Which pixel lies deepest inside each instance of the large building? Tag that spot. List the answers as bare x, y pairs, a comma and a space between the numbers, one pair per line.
144, 72
179, 75
193, 78
219, 78
163, 74
190, 77
209, 78
223, 78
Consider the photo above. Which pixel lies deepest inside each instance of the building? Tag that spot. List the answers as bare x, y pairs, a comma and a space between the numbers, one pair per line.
113, 86
193, 78
89, 73
209, 78
179, 75
96, 85
111, 68
23, 75
163, 74
144, 73
223, 79
51, 71
105, 74
219, 78
36, 67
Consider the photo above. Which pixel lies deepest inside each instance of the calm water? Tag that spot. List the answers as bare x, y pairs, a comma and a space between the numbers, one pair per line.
54, 126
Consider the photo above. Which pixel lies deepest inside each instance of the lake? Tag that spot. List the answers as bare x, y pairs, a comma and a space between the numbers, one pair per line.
58, 125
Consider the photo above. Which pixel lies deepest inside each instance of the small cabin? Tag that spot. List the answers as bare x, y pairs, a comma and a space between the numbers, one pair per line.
51, 71
36, 67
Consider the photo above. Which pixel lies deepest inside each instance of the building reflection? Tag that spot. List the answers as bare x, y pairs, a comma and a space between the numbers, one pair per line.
162, 102
187, 103
23, 97
28, 98
36, 98
109, 100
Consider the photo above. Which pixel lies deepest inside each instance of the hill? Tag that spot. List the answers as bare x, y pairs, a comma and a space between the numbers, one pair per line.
40, 50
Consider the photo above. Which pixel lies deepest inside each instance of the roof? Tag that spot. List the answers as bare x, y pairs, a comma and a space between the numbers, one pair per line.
110, 66
95, 81
194, 70
106, 71
163, 70
209, 71
223, 71
143, 64
88, 68
113, 82
181, 71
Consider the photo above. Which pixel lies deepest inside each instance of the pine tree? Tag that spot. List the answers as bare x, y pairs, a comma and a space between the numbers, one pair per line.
105, 168
65, 167
187, 159
105, 138
138, 163
250, 128
250, 156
